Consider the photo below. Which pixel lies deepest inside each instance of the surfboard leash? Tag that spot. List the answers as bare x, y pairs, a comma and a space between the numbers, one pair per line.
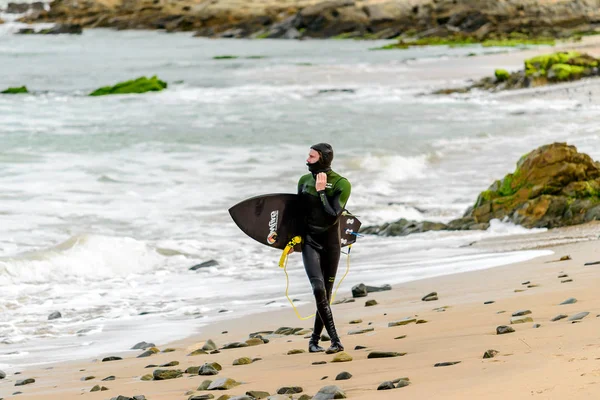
283, 264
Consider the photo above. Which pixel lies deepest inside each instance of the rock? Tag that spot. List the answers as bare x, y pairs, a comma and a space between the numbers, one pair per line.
16, 90
17, 8
59, 29
209, 345
370, 303
384, 354
234, 345
170, 364
24, 382
446, 364
430, 297
150, 352
503, 329
197, 352
164, 374
319, 362
421, 321
242, 361
521, 312
404, 321
140, 85
205, 264
257, 394
563, 276
142, 346
290, 390
525, 283
344, 300
579, 316
386, 386
535, 326
566, 281
54, 315
570, 300
359, 290
204, 385
402, 383
342, 376
356, 321
489, 302
296, 351
255, 341
202, 397
208, 369
360, 331
559, 317
147, 377
373, 289
223, 384
490, 354
286, 331
520, 320
329, 392
112, 358
342, 357
400, 337
2, 374
324, 338
88, 378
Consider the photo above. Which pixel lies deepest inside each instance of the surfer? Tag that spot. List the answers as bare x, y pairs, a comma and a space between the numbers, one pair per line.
323, 195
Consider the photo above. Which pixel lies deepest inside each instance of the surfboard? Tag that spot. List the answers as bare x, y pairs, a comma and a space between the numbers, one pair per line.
274, 219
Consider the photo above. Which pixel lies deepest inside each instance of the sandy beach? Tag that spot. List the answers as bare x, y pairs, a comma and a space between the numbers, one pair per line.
555, 360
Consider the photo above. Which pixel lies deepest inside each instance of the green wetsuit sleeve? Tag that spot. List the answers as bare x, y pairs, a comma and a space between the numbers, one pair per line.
340, 198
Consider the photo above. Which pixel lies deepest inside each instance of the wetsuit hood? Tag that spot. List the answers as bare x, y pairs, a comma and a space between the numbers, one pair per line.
325, 158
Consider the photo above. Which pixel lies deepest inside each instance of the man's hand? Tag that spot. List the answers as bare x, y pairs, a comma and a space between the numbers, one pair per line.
321, 181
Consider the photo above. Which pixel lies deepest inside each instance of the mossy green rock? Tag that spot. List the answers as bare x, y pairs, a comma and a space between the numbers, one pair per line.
15, 90
223, 384
139, 85
242, 361
501, 75
342, 357
164, 374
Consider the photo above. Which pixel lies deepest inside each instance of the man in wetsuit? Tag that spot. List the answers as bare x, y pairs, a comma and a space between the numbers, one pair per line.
323, 195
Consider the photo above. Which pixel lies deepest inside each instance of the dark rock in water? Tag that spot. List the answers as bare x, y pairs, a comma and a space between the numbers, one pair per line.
579, 316
143, 346
58, 29
359, 290
490, 354
205, 264
164, 374
521, 313
54, 315
430, 297
446, 364
502, 329
109, 378
2, 374
342, 376
290, 390
373, 289
370, 303
570, 300
559, 317
111, 359
386, 386
329, 392
404, 227
384, 354
25, 382
489, 302
257, 394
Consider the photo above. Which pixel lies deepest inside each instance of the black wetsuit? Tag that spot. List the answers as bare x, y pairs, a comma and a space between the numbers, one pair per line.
321, 246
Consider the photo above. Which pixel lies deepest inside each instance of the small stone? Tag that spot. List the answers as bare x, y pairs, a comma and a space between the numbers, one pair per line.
303, 397
563, 276
95, 389
54, 315
223, 384
565, 258
290, 390
257, 394
111, 359
242, 361
430, 297
325, 377
234, 345
24, 382
502, 329
170, 364
204, 385
197, 352
370, 303
579, 316
150, 352
386, 386
489, 302
400, 337
164, 374
142, 346
559, 317
525, 283
88, 378
535, 326
519, 290
446, 363
490, 354
2, 374
521, 312
356, 321
342, 376
319, 362
209, 345
254, 341
570, 300
342, 357
109, 378
384, 354
359, 347
207, 370
533, 285
520, 320
296, 351
146, 377
359, 290
169, 350
325, 338
567, 281
360, 331
402, 383
284, 330
329, 392
405, 321
205, 264
202, 397
421, 321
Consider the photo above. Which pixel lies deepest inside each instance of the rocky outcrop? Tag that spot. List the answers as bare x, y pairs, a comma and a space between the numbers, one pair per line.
552, 186
481, 19
139, 85
538, 71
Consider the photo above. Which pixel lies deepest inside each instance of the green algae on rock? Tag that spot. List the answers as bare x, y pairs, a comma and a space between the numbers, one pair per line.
139, 85
15, 90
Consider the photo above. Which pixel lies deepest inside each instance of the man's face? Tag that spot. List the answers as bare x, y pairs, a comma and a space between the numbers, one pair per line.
313, 156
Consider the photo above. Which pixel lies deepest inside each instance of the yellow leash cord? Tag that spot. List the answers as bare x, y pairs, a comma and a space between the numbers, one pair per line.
283, 264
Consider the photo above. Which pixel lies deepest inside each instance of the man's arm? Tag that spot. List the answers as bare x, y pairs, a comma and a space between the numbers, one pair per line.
342, 193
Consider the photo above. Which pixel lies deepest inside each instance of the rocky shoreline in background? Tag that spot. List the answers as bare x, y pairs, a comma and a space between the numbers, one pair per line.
477, 20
